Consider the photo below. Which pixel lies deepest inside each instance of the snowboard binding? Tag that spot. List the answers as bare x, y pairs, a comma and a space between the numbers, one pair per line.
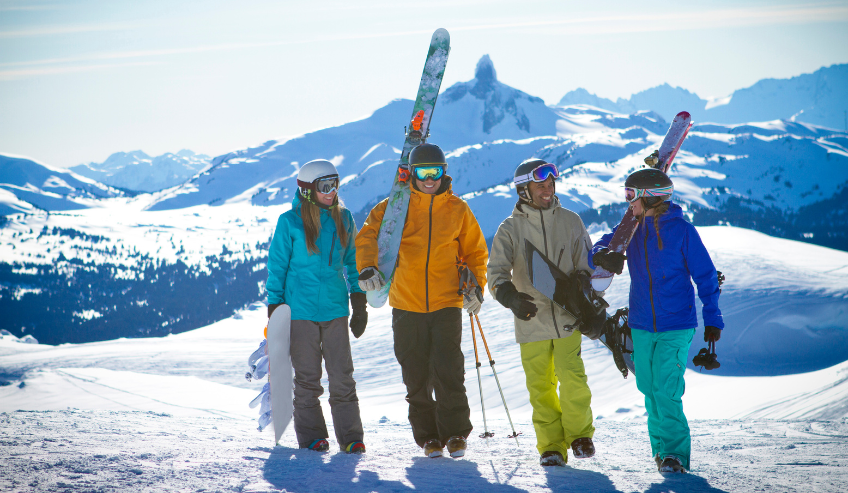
616, 335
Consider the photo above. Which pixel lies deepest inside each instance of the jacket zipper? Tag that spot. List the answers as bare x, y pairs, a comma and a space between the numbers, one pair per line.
427, 265
650, 281
560, 256
332, 245
545, 238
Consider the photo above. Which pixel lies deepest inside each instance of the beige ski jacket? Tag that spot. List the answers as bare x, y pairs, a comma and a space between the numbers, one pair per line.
561, 236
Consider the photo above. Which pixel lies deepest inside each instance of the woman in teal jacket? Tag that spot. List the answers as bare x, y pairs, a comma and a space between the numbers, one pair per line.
311, 268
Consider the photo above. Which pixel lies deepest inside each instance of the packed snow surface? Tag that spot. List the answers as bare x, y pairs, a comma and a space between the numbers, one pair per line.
171, 414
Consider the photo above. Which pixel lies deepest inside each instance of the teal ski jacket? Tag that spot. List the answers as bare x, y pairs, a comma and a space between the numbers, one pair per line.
315, 286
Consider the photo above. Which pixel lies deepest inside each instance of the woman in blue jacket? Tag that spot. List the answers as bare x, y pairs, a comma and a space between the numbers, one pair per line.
665, 252
311, 267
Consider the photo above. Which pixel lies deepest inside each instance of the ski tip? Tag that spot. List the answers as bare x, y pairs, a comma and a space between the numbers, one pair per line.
683, 114
441, 34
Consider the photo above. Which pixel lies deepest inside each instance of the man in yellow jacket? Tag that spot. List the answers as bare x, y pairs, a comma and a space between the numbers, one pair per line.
550, 348
427, 309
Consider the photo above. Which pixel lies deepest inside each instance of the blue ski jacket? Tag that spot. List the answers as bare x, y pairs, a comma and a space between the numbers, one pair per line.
661, 293
315, 286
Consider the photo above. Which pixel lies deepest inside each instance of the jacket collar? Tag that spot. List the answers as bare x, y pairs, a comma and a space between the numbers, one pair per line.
523, 209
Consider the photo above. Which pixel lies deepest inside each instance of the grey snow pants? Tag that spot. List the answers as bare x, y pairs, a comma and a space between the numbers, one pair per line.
310, 343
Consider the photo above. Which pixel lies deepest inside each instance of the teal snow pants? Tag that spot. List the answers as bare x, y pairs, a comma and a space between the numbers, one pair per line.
660, 361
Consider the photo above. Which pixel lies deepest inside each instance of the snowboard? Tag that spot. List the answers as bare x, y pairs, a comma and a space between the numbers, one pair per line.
602, 278
280, 374
391, 227
615, 336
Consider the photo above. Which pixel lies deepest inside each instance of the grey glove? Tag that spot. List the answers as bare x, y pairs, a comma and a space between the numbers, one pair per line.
473, 301
370, 279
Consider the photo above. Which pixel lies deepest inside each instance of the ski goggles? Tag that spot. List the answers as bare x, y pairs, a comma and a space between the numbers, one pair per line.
434, 172
632, 194
328, 184
538, 175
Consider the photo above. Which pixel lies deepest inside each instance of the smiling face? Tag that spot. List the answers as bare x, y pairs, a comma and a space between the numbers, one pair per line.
542, 193
429, 186
325, 198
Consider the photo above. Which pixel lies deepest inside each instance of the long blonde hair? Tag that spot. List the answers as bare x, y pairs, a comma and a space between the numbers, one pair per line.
311, 216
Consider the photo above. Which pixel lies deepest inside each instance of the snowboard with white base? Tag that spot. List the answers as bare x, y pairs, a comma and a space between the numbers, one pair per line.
280, 375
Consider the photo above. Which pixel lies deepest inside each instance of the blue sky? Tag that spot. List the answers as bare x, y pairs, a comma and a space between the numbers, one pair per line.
82, 79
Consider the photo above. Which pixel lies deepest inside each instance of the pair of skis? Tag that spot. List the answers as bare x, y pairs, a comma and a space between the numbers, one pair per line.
391, 228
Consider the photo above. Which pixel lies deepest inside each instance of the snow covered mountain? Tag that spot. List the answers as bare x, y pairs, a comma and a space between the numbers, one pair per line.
120, 266
137, 171
27, 186
819, 98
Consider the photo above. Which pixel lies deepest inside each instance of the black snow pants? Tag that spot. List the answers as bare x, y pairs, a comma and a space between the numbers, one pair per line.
427, 346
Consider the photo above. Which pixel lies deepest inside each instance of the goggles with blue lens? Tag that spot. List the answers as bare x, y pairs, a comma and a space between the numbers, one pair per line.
328, 184
538, 175
434, 172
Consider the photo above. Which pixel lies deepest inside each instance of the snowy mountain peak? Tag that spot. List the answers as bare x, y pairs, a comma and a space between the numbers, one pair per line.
135, 170
485, 72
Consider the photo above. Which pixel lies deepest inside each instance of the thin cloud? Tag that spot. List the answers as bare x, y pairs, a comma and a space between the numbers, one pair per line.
32, 72
58, 30
626, 23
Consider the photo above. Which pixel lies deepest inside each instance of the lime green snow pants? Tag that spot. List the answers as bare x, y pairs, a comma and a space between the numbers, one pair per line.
660, 361
558, 419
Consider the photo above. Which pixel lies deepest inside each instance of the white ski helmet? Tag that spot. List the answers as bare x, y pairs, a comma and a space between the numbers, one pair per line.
315, 174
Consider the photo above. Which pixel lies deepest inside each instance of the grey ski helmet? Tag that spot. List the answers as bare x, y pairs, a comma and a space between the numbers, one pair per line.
649, 183
532, 170
314, 174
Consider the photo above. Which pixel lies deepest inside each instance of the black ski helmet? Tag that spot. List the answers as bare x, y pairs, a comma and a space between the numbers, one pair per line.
427, 155
526, 167
654, 185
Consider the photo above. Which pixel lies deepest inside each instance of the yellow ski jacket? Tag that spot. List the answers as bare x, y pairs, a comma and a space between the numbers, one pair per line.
439, 228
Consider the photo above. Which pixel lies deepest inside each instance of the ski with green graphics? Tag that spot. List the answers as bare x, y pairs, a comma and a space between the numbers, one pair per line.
391, 228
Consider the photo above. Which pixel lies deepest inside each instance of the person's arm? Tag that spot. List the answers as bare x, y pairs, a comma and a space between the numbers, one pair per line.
366, 240
472, 246
279, 256
349, 258
601, 244
703, 272
499, 268
581, 245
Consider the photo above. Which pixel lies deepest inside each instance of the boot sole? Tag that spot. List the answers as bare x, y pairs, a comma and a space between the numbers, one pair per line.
457, 453
433, 455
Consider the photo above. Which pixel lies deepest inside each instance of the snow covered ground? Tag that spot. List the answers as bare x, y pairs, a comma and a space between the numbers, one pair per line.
171, 414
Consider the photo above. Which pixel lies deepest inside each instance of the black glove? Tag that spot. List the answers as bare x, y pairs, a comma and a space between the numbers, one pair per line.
609, 260
567, 295
359, 318
711, 332
272, 307
521, 304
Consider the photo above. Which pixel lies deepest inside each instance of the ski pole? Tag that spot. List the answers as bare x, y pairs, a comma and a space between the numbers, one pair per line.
486, 433
492, 363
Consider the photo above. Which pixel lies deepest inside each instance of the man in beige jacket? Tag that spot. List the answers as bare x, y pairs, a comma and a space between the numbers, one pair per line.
550, 348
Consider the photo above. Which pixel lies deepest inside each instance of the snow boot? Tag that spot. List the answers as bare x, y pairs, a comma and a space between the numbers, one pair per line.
355, 447
456, 446
552, 458
433, 448
319, 445
583, 448
658, 461
672, 465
